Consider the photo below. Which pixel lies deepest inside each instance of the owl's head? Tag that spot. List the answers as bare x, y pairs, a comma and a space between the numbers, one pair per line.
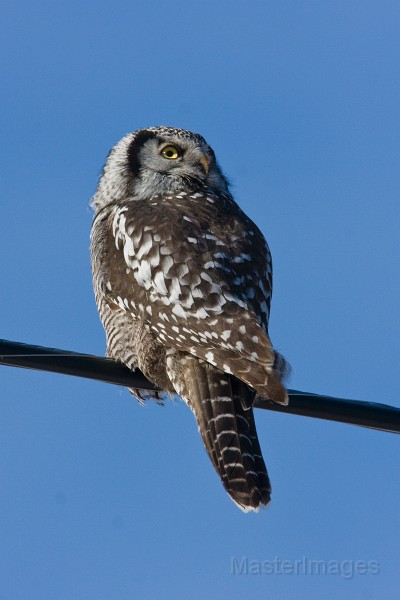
158, 160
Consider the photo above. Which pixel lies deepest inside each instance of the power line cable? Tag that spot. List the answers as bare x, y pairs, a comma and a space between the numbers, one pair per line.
366, 414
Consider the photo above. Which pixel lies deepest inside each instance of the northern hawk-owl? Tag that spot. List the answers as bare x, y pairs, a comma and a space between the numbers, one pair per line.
183, 282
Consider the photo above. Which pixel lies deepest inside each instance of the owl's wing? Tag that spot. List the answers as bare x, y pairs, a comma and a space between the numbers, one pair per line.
199, 272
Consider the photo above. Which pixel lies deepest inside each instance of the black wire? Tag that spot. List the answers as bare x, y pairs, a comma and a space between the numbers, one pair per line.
355, 412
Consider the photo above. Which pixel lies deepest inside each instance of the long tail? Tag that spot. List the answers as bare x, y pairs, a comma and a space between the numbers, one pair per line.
222, 406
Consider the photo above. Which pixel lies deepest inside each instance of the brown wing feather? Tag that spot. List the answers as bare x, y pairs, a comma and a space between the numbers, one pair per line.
199, 273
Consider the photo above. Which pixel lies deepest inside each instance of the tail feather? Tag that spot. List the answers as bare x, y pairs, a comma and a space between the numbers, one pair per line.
227, 428
264, 372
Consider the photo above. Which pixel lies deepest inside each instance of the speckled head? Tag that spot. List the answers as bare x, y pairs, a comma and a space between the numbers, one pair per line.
155, 161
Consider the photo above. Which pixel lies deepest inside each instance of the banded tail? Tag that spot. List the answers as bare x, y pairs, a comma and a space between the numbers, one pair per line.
222, 407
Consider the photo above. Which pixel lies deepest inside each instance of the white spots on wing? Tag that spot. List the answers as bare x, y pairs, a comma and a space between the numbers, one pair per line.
195, 279
235, 299
206, 277
200, 313
199, 298
226, 334
197, 292
128, 249
174, 290
145, 246
120, 302
223, 267
117, 240
166, 264
119, 220
159, 283
166, 250
179, 312
182, 270
187, 302
143, 273
214, 287
221, 300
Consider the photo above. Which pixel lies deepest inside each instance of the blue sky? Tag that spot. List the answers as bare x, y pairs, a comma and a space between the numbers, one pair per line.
101, 498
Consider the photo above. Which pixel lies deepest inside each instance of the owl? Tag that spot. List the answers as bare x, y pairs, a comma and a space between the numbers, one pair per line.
183, 282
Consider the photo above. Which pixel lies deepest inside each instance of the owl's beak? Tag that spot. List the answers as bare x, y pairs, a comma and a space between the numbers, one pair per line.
205, 161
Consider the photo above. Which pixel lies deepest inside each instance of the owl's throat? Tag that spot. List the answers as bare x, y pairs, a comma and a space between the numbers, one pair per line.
164, 183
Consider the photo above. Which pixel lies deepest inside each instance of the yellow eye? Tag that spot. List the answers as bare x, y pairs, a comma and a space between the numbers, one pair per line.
170, 152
